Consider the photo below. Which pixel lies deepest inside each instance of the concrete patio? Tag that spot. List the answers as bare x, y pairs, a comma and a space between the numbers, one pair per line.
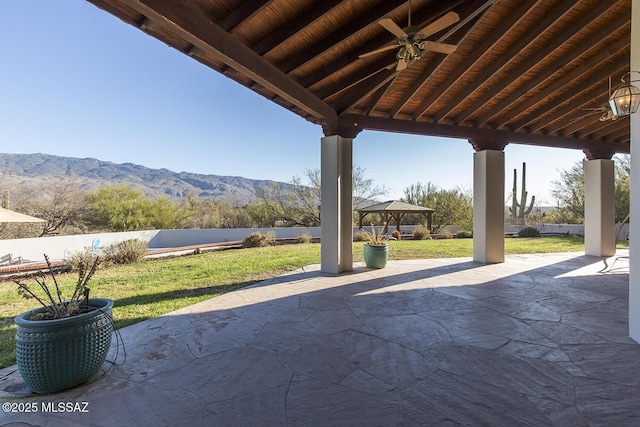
537, 340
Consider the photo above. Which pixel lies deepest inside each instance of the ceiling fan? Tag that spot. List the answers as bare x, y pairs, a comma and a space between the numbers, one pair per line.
604, 109
412, 40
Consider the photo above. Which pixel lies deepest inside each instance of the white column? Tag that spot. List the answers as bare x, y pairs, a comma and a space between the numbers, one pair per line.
488, 206
599, 208
336, 211
634, 221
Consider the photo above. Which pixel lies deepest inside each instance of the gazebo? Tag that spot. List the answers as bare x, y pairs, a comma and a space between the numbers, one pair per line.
395, 210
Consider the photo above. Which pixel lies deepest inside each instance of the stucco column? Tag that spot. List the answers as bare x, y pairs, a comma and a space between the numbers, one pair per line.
336, 172
634, 220
488, 206
599, 208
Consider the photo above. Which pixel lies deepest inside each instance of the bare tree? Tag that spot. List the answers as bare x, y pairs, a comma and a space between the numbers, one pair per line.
298, 204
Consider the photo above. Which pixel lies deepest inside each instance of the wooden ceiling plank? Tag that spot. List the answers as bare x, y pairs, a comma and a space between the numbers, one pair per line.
364, 89
470, 17
377, 97
546, 101
604, 131
479, 52
233, 21
514, 50
465, 132
288, 30
384, 39
543, 75
573, 126
531, 62
301, 58
206, 35
354, 79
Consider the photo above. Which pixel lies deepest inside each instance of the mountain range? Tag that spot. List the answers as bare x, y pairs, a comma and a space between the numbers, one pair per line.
33, 169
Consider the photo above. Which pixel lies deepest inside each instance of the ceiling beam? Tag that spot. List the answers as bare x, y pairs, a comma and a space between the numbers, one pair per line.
479, 52
421, 18
543, 53
559, 84
464, 132
273, 39
212, 39
234, 20
547, 101
302, 57
470, 18
364, 89
514, 50
389, 60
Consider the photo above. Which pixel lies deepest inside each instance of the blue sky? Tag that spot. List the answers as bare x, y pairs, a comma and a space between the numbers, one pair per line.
76, 81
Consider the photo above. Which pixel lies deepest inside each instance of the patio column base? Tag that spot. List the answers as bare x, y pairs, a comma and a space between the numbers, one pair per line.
488, 206
599, 208
336, 213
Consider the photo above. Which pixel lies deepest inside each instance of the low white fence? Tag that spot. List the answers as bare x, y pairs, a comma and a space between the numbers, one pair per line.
55, 247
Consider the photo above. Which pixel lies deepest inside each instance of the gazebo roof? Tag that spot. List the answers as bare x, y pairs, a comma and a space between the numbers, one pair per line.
392, 206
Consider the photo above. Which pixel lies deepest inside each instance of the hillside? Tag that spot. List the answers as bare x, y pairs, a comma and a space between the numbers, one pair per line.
31, 169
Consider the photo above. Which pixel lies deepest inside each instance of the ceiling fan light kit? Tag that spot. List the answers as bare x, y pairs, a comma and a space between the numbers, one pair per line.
412, 39
626, 99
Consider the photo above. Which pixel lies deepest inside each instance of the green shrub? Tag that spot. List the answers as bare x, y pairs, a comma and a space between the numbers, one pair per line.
464, 234
259, 239
529, 232
421, 233
396, 234
304, 237
446, 235
125, 252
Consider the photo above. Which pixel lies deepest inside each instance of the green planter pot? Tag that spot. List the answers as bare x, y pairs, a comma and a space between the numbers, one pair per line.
54, 355
376, 256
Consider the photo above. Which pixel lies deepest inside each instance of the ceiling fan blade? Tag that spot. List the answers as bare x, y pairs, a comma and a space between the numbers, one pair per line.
439, 24
440, 47
392, 27
373, 52
401, 66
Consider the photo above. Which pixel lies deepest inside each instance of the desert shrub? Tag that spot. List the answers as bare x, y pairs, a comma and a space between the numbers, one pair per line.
529, 232
361, 236
396, 234
125, 252
421, 233
76, 258
464, 234
304, 237
259, 239
446, 235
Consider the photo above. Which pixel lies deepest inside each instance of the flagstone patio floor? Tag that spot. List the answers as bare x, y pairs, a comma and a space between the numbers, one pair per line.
540, 340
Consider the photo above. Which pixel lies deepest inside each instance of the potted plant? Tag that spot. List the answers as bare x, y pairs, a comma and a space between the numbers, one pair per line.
376, 250
63, 343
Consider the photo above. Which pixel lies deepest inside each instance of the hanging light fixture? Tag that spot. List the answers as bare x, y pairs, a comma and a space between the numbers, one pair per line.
626, 99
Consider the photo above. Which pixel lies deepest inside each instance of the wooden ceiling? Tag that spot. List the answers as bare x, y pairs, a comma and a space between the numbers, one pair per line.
525, 71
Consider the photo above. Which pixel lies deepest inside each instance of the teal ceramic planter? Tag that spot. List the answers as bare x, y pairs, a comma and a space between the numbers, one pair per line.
54, 355
376, 256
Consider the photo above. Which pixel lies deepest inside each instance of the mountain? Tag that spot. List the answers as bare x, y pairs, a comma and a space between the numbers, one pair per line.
31, 169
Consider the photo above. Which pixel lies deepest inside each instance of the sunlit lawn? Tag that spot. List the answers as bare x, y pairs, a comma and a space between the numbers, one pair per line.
152, 288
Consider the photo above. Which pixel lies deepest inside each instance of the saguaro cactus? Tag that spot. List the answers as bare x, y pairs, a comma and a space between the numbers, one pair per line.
518, 209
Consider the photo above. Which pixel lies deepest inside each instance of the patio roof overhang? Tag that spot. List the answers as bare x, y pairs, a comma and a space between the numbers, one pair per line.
525, 71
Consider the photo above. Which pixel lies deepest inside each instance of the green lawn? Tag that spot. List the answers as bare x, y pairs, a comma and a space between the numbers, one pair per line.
152, 288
